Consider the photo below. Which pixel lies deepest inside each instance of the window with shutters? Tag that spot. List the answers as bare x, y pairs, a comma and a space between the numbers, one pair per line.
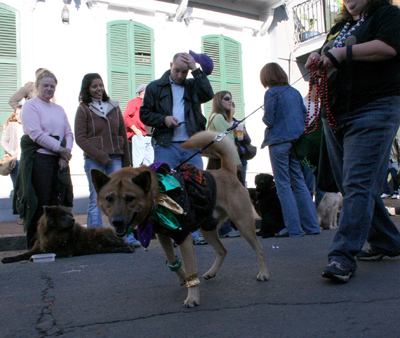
9, 61
130, 59
226, 54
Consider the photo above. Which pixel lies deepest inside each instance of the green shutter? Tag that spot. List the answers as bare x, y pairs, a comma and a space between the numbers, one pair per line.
9, 61
130, 59
211, 47
227, 74
233, 74
119, 86
143, 49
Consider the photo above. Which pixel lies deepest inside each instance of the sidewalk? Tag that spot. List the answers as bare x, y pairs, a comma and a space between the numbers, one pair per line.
12, 236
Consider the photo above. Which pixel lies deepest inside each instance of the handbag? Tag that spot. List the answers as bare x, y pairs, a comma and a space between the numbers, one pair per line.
7, 165
250, 151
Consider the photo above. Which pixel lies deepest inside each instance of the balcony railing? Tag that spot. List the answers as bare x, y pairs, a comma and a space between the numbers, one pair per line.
313, 18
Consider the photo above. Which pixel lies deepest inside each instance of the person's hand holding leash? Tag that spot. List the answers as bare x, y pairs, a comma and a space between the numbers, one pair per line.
331, 59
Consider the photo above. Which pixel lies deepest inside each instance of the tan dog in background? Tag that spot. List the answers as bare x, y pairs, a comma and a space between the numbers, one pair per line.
328, 209
129, 195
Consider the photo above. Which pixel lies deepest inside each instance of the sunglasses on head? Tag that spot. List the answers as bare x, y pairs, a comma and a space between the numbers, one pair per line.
227, 98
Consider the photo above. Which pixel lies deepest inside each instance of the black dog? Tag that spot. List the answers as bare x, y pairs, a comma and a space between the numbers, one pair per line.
267, 205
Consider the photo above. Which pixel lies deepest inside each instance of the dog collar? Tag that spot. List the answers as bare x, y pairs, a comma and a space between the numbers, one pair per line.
151, 212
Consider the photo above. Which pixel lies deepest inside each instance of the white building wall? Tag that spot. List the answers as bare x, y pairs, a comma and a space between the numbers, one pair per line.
73, 50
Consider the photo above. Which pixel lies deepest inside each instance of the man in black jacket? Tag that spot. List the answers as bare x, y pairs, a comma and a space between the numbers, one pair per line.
172, 105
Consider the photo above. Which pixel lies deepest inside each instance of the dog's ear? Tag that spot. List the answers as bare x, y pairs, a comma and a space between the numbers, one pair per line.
99, 179
143, 180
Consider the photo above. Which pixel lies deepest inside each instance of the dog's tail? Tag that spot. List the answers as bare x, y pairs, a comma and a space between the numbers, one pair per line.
225, 148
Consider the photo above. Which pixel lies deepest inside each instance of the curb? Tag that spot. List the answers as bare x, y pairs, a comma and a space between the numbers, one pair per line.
12, 243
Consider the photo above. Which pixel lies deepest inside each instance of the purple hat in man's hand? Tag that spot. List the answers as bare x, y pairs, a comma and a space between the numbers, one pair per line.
206, 63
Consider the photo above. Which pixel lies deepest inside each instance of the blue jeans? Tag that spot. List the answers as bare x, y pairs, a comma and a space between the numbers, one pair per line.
297, 206
309, 179
14, 174
94, 216
142, 151
359, 153
392, 170
174, 155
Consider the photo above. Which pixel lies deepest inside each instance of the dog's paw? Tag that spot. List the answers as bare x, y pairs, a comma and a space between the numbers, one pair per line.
128, 249
209, 275
6, 260
191, 303
262, 277
193, 298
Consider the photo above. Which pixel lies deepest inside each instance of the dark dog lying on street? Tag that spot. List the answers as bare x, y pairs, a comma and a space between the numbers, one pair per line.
267, 206
58, 233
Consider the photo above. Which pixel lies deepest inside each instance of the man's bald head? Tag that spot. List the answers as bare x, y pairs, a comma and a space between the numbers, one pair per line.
179, 68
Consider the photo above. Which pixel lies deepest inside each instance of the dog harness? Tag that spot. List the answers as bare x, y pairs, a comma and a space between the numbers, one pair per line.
189, 197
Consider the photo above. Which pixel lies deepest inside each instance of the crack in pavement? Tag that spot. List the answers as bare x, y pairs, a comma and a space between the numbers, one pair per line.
195, 312
46, 323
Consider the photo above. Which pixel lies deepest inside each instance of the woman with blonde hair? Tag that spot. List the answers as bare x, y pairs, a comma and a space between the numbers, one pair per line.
285, 117
220, 119
44, 177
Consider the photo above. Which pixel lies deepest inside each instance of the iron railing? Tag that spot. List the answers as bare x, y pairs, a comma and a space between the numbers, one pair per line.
314, 17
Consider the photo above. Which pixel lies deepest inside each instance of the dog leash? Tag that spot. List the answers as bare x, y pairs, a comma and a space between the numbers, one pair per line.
221, 136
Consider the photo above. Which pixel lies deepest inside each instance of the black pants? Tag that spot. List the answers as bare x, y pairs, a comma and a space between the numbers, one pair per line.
44, 181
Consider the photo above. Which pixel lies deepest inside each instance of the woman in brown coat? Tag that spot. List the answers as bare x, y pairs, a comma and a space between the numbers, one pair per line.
101, 133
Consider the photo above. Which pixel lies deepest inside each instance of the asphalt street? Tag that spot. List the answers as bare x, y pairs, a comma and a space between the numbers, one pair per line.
135, 295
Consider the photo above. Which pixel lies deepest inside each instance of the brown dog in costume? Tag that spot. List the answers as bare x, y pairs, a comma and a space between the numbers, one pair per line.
130, 197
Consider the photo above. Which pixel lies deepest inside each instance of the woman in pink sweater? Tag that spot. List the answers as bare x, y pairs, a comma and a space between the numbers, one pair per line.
47, 126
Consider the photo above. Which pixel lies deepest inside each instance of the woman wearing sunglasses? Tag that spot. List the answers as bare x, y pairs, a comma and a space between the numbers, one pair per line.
220, 119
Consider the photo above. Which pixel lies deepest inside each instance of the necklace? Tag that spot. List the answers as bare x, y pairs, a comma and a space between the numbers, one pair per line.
345, 33
312, 126
322, 94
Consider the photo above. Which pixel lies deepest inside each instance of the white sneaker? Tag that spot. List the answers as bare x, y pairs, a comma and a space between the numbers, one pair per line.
395, 196
199, 240
385, 195
391, 211
232, 233
132, 240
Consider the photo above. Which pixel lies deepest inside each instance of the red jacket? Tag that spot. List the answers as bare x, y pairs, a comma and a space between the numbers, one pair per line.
132, 117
